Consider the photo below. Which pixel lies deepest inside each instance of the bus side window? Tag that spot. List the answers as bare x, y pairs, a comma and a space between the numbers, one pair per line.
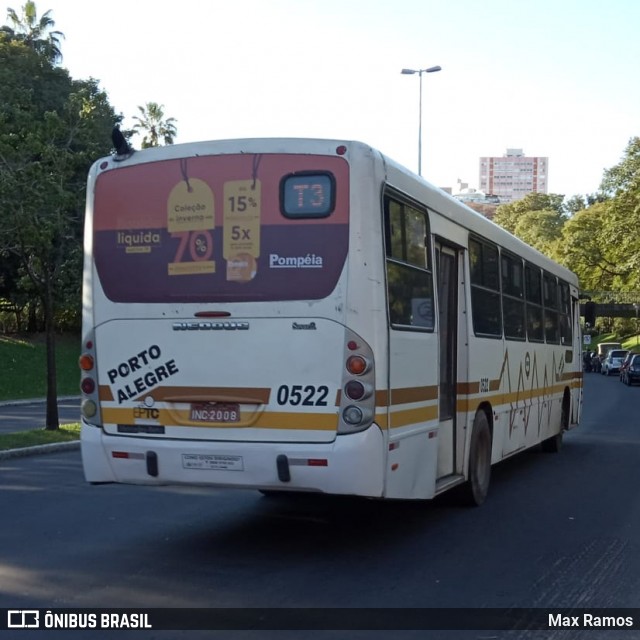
409, 277
533, 291
513, 297
566, 333
485, 289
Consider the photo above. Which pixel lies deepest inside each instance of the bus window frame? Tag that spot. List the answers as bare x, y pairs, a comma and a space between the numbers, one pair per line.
389, 196
511, 297
483, 288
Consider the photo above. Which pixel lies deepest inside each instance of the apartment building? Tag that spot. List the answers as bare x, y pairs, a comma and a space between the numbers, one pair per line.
513, 175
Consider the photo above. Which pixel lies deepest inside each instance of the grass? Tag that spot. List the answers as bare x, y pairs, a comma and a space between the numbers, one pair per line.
631, 343
23, 366
21, 439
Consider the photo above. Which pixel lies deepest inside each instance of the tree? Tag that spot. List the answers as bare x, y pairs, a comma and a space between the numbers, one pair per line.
621, 184
36, 33
585, 253
541, 229
508, 215
624, 178
153, 127
51, 129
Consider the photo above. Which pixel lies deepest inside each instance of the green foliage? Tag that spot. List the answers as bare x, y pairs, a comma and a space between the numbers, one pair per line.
584, 252
540, 229
508, 215
594, 235
51, 130
36, 32
23, 371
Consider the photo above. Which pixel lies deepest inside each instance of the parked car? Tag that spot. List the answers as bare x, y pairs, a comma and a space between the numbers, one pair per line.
613, 361
632, 372
625, 364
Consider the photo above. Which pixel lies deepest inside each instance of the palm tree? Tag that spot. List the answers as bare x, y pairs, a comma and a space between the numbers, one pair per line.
153, 127
35, 32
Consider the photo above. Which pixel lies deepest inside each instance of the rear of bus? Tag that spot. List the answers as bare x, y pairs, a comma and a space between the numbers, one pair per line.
221, 345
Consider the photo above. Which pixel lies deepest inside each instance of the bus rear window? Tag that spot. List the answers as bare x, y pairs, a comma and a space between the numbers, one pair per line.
227, 228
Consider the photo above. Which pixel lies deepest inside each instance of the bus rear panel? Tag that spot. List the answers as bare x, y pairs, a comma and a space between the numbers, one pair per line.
215, 341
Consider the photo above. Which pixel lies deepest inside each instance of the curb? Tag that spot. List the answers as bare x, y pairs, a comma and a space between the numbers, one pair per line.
40, 448
15, 403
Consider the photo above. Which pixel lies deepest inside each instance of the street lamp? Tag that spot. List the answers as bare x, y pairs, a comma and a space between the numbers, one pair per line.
636, 306
410, 72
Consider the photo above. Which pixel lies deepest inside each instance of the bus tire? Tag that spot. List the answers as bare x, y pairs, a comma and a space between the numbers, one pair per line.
476, 488
554, 444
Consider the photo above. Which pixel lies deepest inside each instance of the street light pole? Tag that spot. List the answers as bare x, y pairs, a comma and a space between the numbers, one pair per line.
409, 72
636, 306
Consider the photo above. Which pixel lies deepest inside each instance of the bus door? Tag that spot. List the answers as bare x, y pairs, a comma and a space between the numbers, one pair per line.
447, 292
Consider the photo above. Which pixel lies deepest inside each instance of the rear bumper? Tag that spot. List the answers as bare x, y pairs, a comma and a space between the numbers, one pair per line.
351, 464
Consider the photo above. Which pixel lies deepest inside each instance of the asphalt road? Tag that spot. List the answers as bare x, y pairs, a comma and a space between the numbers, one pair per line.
558, 530
32, 415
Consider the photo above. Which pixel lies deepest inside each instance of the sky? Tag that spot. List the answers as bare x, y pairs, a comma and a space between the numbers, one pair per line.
555, 78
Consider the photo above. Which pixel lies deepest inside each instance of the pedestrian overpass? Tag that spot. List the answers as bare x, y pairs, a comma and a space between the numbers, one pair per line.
612, 304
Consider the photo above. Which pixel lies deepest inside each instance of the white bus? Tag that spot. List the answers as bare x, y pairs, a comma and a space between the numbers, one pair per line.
307, 315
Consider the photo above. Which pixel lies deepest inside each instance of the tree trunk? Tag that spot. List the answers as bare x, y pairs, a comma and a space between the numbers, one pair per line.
32, 326
52, 422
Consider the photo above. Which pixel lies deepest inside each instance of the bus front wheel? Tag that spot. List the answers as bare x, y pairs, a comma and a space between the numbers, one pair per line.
476, 488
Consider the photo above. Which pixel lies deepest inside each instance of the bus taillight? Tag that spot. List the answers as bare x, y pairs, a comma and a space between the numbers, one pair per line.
86, 362
356, 390
357, 365
89, 408
88, 385
357, 405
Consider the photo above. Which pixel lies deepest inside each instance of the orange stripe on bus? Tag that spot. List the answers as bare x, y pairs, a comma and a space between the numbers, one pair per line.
405, 395
257, 395
266, 420
413, 416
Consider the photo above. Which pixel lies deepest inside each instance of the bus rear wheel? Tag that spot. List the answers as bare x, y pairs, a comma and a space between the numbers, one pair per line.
475, 490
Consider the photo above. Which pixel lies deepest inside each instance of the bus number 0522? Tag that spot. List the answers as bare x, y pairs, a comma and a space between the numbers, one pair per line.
307, 396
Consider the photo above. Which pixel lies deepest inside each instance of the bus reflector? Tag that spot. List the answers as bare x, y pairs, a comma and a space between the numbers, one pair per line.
86, 362
128, 456
317, 462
